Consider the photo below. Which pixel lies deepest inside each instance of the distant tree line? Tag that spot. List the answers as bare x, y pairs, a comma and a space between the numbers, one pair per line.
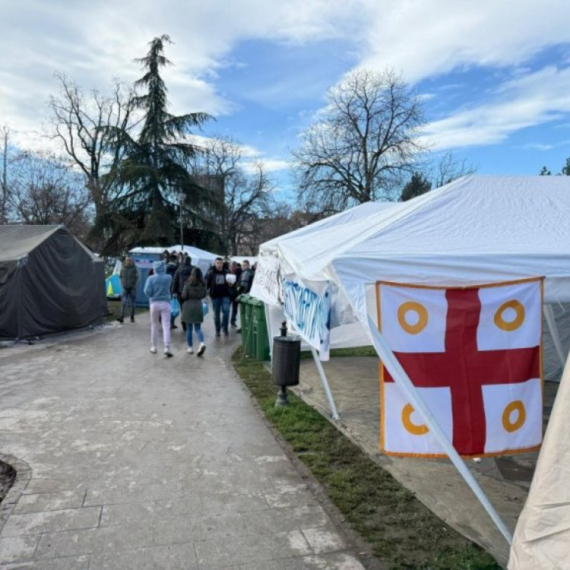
564, 172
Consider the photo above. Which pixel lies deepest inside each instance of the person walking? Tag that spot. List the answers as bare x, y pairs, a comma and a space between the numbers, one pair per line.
235, 270
192, 311
129, 277
246, 278
245, 282
171, 269
179, 280
220, 295
157, 289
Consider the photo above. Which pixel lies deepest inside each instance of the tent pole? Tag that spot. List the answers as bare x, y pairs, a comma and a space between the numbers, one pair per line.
326, 386
404, 382
553, 329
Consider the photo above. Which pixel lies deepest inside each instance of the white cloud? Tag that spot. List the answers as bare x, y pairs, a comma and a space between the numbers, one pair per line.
437, 36
94, 42
537, 98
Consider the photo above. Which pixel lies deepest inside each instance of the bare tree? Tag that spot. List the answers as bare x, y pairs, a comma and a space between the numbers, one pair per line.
447, 169
361, 145
80, 124
243, 189
5, 139
45, 191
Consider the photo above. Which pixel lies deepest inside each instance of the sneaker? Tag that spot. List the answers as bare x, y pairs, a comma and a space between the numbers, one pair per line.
168, 352
132, 319
233, 324
201, 350
120, 319
153, 349
190, 350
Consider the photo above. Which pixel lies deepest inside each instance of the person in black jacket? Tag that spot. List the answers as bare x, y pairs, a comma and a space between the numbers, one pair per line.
220, 295
179, 280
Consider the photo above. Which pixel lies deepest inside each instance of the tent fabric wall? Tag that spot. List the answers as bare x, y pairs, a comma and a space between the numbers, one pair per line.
542, 535
55, 283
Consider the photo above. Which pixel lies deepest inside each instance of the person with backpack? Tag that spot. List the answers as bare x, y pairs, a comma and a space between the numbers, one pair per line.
129, 277
192, 310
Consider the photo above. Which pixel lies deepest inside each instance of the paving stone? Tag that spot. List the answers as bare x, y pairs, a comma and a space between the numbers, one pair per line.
67, 563
132, 512
52, 521
111, 538
284, 519
324, 540
20, 548
214, 504
173, 557
185, 528
291, 497
49, 502
215, 553
335, 561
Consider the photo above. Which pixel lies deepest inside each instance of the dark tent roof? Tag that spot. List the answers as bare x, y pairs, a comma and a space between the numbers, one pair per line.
49, 282
18, 241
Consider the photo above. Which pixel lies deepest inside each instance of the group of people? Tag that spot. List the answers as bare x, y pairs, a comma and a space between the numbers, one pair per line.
175, 277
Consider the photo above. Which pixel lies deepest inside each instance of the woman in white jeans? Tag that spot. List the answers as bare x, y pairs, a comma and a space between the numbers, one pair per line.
157, 289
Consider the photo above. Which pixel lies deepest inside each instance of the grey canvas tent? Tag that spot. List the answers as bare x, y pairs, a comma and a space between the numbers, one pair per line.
49, 282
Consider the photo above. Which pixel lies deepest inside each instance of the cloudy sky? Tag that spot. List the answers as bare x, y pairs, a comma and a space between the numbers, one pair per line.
494, 74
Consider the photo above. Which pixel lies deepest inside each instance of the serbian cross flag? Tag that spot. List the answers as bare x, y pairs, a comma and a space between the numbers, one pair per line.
474, 357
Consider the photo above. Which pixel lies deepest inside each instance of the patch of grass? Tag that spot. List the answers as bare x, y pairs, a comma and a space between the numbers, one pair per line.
356, 351
402, 532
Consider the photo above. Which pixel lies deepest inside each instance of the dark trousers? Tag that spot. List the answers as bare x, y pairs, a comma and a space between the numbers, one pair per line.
221, 304
128, 297
235, 307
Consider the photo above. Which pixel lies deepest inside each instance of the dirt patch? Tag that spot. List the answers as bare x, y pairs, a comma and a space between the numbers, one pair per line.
7, 476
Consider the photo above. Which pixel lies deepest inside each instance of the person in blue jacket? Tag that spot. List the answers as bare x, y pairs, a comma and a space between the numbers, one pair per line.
157, 289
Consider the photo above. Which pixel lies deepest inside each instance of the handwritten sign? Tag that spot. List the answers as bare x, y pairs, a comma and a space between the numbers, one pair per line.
266, 281
309, 312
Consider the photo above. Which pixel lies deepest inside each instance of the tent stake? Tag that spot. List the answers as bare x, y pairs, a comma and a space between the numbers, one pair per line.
404, 382
326, 386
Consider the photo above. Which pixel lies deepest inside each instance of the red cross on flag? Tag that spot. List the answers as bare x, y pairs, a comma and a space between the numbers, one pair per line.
474, 357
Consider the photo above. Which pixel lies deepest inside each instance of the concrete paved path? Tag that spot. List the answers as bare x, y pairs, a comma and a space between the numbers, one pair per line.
128, 460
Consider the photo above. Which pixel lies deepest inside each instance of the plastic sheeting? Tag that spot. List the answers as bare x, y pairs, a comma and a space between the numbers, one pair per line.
49, 282
542, 535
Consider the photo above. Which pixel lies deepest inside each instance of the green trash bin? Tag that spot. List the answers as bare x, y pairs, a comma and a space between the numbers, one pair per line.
259, 348
245, 319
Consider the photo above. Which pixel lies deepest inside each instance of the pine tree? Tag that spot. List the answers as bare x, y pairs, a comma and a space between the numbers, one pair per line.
153, 172
417, 186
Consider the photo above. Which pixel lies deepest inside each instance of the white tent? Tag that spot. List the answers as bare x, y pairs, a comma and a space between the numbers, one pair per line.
542, 536
200, 257
478, 229
303, 253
